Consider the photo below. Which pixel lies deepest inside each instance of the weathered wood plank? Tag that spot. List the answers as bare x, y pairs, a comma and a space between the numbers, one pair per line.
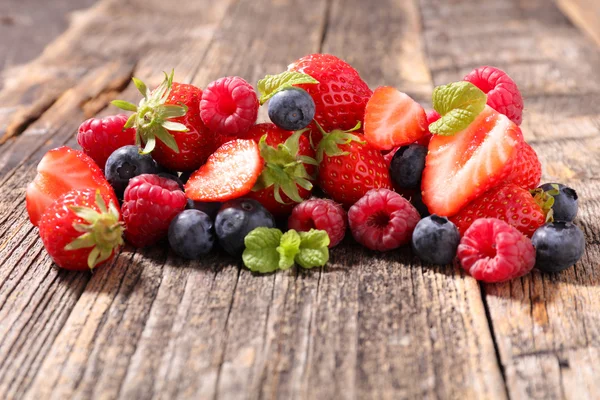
544, 325
585, 14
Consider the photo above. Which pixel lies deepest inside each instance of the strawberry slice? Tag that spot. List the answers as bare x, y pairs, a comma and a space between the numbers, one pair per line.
461, 167
393, 119
60, 171
229, 173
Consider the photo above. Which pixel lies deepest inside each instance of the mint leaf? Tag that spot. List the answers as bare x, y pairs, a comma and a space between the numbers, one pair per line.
458, 103
313, 249
272, 84
289, 246
261, 253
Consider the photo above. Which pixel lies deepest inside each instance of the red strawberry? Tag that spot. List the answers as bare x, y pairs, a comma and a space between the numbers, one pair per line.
149, 205
229, 173
168, 122
341, 95
289, 168
508, 203
502, 92
528, 173
349, 167
460, 168
493, 251
60, 171
432, 116
79, 231
393, 119
99, 137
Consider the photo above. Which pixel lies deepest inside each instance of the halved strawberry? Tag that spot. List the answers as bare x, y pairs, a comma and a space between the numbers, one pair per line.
60, 171
461, 167
229, 173
393, 119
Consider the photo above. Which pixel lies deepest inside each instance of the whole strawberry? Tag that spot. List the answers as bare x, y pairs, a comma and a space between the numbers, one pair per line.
349, 167
341, 95
168, 123
289, 168
149, 204
99, 137
509, 203
79, 231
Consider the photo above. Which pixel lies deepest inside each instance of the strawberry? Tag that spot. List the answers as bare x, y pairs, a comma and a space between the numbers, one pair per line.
528, 173
393, 119
168, 123
511, 204
461, 167
289, 168
341, 95
60, 171
229, 173
79, 231
349, 167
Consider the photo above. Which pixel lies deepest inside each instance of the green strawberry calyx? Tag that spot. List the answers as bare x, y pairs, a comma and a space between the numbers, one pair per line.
330, 144
285, 168
101, 230
268, 249
458, 104
545, 200
152, 117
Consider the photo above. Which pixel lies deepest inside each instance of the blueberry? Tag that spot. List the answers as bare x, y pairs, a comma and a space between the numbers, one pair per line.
417, 201
558, 245
185, 176
126, 163
565, 202
407, 166
172, 177
435, 240
191, 234
292, 109
236, 218
208, 208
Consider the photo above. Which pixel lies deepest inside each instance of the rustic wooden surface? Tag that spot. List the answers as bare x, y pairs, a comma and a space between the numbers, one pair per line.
366, 326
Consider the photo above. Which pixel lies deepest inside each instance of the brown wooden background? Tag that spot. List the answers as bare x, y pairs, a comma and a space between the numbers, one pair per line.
366, 326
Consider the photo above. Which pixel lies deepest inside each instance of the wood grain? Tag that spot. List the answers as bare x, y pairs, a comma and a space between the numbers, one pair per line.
585, 14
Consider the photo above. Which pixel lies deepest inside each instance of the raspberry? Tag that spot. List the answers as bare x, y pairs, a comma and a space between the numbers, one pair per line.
502, 92
150, 203
493, 251
382, 220
321, 214
99, 137
229, 106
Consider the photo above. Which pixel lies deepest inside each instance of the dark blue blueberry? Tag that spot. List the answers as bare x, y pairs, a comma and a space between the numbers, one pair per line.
191, 234
171, 177
292, 109
417, 201
558, 245
407, 166
126, 163
236, 218
435, 240
211, 209
185, 176
565, 202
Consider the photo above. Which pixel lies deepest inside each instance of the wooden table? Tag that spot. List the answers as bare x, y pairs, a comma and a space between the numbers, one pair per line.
366, 326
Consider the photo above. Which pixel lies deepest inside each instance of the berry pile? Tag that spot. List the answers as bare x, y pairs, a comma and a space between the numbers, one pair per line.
193, 168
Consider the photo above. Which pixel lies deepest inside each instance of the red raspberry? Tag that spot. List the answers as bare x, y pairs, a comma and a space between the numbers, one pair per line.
382, 220
502, 92
229, 106
149, 204
321, 214
493, 251
99, 137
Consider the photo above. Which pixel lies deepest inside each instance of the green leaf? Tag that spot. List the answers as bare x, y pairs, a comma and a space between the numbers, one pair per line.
261, 253
141, 86
458, 103
124, 105
271, 84
174, 126
289, 246
172, 111
130, 122
164, 136
313, 249
82, 242
150, 145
